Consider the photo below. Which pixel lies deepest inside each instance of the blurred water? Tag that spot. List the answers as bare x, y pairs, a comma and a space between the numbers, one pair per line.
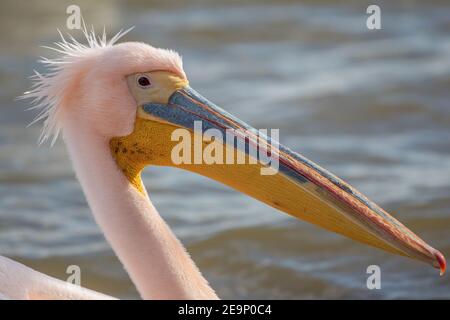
372, 106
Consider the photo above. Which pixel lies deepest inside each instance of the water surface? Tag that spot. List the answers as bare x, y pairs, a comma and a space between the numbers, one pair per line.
371, 106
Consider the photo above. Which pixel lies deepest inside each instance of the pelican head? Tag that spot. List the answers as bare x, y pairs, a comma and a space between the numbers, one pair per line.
134, 97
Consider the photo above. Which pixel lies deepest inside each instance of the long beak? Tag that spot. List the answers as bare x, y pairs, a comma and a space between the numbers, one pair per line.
298, 187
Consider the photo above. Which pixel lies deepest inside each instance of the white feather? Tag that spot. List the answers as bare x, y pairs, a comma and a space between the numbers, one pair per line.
47, 88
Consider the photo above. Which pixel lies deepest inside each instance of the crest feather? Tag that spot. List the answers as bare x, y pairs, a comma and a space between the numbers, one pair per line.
46, 90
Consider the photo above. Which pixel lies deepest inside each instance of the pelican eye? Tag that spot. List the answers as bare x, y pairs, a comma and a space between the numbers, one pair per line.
143, 82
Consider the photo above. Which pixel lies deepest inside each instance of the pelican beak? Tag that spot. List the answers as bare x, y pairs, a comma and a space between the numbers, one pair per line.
295, 185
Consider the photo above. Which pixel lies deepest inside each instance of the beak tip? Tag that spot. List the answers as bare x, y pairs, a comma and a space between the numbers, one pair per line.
441, 261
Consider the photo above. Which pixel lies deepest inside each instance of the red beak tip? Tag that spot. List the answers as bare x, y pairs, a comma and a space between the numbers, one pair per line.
441, 260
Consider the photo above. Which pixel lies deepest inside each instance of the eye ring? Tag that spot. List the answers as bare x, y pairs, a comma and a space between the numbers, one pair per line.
143, 81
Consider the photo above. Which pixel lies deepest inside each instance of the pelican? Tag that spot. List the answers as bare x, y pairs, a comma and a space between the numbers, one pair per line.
116, 106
